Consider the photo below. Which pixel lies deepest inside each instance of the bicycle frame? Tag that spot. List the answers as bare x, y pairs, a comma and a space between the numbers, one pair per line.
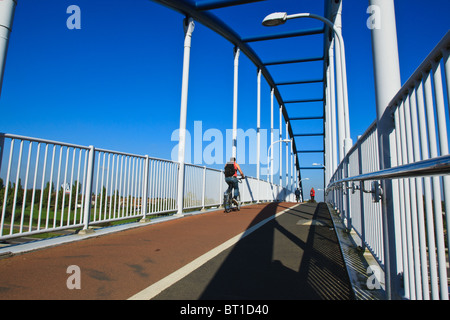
228, 199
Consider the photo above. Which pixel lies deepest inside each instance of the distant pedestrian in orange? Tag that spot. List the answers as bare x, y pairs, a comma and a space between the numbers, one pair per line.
312, 194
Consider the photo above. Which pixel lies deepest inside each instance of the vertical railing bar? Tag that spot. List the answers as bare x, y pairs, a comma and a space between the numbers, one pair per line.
101, 185
124, 192
164, 186
157, 185
193, 199
107, 209
16, 189
64, 190
25, 187
407, 202
124, 185
83, 188
443, 140
403, 224
131, 174
419, 198
174, 186
127, 185
50, 187
170, 186
38, 152
432, 258
143, 186
167, 187
134, 178
170, 190
135, 184
131, 182
42, 187
8, 172
96, 188
77, 187
116, 178
88, 187
439, 230
413, 201
71, 186
119, 187
186, 187
55, 212
111, 186
151, 182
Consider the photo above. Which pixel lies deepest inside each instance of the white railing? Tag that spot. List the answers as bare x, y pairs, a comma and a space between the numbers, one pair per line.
420, 183
48, 186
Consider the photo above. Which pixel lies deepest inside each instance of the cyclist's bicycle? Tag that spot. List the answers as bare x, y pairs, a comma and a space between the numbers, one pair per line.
228, 203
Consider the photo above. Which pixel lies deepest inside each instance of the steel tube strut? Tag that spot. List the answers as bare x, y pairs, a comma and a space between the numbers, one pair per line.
7, 8
188, 28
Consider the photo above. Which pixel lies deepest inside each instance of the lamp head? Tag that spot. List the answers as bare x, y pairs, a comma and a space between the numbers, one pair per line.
275, 19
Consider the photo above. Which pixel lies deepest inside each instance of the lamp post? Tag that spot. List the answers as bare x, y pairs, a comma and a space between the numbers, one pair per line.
269, 159
278, 18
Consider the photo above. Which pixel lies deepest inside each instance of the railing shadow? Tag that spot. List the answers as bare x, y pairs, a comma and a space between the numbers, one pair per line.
284, 261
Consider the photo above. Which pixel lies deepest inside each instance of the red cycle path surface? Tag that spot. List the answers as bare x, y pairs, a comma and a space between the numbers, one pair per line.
119, 265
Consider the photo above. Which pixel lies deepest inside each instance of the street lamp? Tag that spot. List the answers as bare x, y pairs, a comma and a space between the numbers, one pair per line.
270, 159
318, 165
278, 18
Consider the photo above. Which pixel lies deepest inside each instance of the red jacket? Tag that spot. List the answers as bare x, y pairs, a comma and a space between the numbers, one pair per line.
312, 193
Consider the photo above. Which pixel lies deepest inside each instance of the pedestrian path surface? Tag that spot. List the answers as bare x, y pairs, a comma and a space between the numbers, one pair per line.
265, 251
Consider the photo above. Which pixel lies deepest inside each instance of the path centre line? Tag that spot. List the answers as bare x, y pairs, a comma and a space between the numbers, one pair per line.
156, 288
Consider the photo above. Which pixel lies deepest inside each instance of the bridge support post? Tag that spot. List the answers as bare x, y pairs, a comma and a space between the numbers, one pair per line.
7, 8
144, 207
258, 135
387, 84
88, 192
188, 29
235, 99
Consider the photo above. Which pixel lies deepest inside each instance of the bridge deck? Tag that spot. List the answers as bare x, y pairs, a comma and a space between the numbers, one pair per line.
295, 255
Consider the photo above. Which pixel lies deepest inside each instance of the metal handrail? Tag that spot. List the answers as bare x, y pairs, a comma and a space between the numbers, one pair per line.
430, 167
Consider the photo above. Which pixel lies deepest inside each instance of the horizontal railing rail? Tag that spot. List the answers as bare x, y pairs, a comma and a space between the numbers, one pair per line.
419, 172
430, 167
49, 186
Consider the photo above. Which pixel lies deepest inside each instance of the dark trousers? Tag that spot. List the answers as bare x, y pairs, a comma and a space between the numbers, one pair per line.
233, 183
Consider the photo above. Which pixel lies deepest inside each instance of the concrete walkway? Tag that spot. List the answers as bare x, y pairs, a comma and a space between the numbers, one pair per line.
278, 251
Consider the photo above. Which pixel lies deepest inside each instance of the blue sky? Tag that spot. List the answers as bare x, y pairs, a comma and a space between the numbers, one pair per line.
116, 83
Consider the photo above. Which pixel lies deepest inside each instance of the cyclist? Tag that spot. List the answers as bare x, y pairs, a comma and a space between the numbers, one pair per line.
231, 170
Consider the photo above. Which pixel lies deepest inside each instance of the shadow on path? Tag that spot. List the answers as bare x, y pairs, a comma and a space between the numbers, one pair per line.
293, 257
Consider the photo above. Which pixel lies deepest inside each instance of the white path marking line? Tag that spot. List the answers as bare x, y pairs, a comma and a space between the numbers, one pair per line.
156, 288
